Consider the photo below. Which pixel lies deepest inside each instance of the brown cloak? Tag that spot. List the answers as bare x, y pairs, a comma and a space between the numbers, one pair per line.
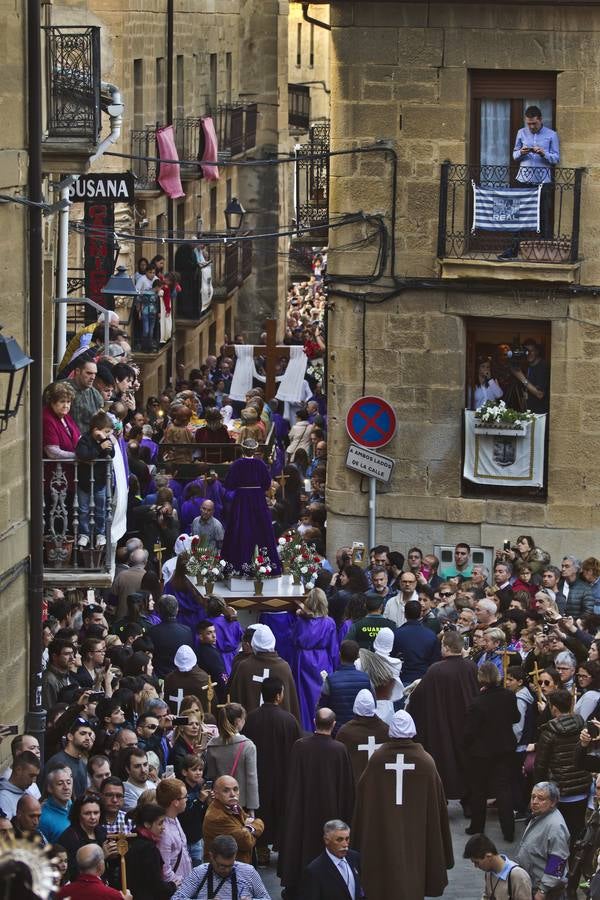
192, 682
405, 849
274, 732
438, 706
320, 788
356, 733
243, 689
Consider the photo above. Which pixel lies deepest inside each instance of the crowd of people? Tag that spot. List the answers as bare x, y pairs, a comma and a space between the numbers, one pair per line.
182, 751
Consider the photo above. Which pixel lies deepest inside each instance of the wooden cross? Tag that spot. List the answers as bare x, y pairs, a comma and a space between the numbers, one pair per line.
122, 848
536, 679
272, 353
158, 550
227, 702
210, 694
573, 695
282, 480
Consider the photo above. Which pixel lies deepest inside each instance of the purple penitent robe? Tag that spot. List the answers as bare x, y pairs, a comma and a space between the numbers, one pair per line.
316, 650
249, 524
229, 638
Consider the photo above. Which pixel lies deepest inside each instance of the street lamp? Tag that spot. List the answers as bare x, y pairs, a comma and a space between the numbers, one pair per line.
234, 215
120, 284
12, 360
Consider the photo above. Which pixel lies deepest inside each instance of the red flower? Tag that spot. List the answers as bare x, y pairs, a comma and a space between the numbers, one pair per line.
260, 559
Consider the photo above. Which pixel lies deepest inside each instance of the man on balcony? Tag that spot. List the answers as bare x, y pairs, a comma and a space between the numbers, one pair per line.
537, 150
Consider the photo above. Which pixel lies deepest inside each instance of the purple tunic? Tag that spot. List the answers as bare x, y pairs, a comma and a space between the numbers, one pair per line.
316, 649
282, 626
215, 492
191, 612
229, 638
249, 524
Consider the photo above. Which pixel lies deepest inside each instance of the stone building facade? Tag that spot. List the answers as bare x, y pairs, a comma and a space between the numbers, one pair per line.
418, 76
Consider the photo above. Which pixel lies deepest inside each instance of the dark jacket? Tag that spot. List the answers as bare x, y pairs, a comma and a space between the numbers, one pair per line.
144, 871
210, 659
88, 451
555, 758
489, 723
340, 690
167, 639
579, 601
322, 881
364, 631
417, 647
74, 838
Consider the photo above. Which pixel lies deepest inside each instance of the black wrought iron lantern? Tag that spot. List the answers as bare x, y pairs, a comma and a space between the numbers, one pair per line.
120, 284
13, 372
234, 215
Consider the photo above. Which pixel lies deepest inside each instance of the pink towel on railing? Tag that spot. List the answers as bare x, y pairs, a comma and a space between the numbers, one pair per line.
169, 175
211, 149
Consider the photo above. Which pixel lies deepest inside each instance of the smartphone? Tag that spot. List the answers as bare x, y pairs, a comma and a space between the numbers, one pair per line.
9, 729
506, 546
169, 772
593, 730
180, 720
95, 696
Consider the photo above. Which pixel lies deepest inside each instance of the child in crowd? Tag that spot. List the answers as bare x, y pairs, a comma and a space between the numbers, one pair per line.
94, 445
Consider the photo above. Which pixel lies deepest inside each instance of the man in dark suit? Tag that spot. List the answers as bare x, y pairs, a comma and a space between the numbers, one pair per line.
335, 874
168, 636
416, 645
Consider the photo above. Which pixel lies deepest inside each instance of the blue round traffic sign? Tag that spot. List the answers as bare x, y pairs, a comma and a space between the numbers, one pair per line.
371, 422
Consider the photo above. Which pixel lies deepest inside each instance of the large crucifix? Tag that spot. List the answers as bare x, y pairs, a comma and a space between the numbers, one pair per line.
272, 352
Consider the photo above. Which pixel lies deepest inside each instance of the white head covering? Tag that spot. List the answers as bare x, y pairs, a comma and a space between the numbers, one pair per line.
384, 641
402, 725
185, 658
263, 639
183, 542
364, 704
227, 413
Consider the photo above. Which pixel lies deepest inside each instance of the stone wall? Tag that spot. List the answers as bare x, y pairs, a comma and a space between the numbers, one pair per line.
400, 73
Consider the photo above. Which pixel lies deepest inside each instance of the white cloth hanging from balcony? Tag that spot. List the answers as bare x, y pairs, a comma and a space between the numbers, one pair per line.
120, 493
290, 383
507, 460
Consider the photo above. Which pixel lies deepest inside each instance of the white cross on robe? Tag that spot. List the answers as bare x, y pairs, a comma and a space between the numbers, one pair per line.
400, 768
261, 678
370, 746
178, 699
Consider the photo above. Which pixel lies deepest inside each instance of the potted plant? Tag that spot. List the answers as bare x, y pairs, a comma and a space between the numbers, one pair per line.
288, 546
206, 565
259, 569
305, 564
495, 417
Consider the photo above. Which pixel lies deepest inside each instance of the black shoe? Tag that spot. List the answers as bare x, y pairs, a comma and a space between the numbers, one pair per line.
509, 253
471, 830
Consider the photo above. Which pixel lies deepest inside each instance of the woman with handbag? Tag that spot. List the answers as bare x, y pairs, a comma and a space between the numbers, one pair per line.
232, 753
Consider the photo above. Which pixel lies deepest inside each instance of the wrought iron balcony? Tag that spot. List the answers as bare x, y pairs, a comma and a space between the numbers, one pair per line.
235, 126
312, 180
188, 133
143, 143
231, 265
69, 512
299, 106
558, 239
73, 82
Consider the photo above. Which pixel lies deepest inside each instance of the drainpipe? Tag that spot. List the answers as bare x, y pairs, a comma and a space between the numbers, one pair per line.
35, 719
115, 111
318, 22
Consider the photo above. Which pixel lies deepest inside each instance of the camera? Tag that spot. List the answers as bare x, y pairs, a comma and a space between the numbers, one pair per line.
180, 720
96, 696
517, 353
593, 730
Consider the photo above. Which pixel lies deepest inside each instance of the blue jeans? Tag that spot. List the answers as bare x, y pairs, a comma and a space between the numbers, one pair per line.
83, 499
148, 322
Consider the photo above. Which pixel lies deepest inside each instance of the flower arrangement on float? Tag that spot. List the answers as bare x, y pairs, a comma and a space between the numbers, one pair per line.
259, 569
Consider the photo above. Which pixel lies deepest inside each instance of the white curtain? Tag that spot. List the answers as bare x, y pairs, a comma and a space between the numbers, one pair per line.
495, 137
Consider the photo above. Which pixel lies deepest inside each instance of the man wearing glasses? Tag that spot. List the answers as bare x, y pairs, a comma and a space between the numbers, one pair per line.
112, 794
394, 607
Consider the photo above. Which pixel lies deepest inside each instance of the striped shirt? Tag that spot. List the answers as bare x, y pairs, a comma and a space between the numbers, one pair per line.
249, 884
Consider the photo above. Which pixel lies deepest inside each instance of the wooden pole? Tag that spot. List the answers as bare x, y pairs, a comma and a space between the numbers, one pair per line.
505, 661
122, 848
536, 681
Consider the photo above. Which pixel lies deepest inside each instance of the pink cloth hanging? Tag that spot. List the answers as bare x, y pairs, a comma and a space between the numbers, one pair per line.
169, 175
211, 148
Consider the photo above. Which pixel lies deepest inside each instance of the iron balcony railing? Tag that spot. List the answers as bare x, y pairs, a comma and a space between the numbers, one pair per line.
73, 81
70, 512
557, 241
188, 133
299, 106
143, 143
231, 265
235, 126
312, 178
